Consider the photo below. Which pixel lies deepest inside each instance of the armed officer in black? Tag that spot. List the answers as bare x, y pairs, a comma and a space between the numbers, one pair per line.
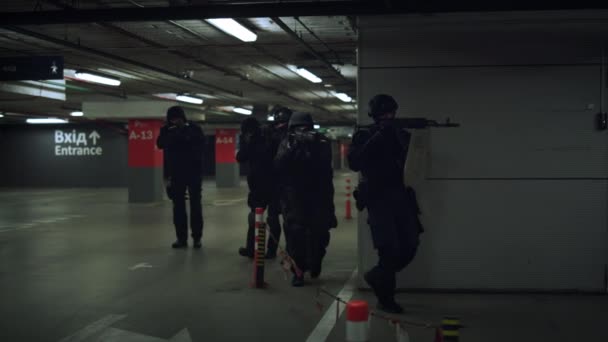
379, 152
183, 144
255, 149
304, 164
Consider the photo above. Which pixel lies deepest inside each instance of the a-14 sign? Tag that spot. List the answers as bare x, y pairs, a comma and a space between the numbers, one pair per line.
75, 143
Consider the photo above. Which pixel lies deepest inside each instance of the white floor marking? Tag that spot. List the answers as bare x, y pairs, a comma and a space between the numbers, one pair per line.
327, 323
140, 265
119, 335
101, 331
227, 202
93, 328
182, 336
36, 223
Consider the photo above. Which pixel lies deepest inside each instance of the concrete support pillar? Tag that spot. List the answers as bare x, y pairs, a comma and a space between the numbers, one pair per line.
335, 155
343, 154
226, 167
145, 162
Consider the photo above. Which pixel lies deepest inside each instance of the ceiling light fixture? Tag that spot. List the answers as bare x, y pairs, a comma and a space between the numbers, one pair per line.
1, 115
97, 78
242, 111
189, 99
317, 126
77, 113
233, 28
118, 73
343, 97
46, 121
270, 118
305, 74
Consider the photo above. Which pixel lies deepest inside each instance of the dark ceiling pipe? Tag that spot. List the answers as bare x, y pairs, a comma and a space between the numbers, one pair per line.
174, 23
226, 71
154, 44
285, 9
132, 62
312, 33
196, 12
322, 59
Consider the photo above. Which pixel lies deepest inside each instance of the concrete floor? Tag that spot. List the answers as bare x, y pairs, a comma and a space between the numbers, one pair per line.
83, 265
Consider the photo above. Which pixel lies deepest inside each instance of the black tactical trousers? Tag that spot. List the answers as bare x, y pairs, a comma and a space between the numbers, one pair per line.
395, 233
178, 190
307, 246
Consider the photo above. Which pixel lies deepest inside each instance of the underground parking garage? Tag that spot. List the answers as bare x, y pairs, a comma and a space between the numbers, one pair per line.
509, 167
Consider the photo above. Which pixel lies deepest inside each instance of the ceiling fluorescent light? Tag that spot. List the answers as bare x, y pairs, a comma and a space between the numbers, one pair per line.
69, 73
1, 115
344, 97
189, 99
118, 73
78, 113
317, 126
242, 111
46, 121
97, 78
233, 28
306, 74
270, 118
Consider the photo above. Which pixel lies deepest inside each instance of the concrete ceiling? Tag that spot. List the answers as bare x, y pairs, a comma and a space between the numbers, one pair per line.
154, 56
166, 39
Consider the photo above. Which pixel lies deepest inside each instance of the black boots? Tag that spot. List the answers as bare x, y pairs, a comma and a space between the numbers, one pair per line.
184, 244
297, 281
180, 244
390, 307
384, 289
246, 252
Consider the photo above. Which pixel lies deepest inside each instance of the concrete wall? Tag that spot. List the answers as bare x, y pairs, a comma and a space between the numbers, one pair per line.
517, 197
27, 155
40, 156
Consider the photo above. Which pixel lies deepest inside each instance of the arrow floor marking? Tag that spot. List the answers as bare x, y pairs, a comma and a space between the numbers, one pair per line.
182, 336
140, 265
93, 328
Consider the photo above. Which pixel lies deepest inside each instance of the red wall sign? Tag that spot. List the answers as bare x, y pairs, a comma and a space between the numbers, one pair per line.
142, 143
343, 150
225, 145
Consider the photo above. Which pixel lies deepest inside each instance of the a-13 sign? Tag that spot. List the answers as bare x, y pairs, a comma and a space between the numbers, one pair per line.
75, 143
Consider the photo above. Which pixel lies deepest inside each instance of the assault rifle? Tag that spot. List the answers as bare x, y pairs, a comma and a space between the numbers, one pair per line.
416, 123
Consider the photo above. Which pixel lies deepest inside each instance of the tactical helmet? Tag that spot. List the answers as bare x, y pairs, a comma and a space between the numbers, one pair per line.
299, 119
382, 104
176, 112
250, 125
282, 114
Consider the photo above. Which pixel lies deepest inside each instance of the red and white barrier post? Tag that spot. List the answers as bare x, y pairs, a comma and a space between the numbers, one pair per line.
348, 215
260, 249
450, 330
357, 321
